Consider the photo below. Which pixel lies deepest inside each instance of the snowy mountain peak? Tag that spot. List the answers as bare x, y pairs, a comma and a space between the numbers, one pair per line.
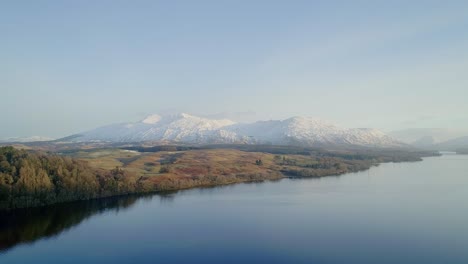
185, 115
174, 116
306, 123
186, 128
304, 119
182, 118
151, 119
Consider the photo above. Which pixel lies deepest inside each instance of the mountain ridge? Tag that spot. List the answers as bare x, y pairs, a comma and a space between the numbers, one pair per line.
187, 128
443, 139
453, 144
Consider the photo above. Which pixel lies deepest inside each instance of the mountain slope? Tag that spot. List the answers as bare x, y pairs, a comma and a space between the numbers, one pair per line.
178, 128
185, 128
311, 131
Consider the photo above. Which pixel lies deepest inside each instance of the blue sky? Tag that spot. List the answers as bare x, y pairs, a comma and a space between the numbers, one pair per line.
69, 66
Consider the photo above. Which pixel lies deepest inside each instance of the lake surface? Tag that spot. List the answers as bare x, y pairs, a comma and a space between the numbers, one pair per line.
393, 213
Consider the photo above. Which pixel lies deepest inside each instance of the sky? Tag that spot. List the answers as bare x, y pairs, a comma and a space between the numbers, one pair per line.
70, 66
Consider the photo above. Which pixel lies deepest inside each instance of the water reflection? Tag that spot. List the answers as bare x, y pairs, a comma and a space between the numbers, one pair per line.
394, 213
27, 226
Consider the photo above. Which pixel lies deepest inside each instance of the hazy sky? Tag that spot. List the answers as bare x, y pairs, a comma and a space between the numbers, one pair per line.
69, 66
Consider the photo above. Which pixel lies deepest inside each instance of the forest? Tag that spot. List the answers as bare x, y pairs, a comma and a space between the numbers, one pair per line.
33, 178
29, 179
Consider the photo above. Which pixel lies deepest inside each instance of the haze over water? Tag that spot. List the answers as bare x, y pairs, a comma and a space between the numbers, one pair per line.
393, 213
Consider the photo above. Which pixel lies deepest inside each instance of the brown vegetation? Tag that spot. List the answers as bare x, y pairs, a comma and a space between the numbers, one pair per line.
29, 178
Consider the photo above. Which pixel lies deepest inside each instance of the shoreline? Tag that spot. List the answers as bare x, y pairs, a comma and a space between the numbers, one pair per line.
164, 171
175, 190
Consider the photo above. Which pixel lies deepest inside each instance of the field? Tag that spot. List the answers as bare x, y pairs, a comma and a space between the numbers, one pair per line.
180, 163
218, 166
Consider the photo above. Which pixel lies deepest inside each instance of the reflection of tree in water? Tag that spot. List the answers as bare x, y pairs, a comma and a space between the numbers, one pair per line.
27, 226
167, 197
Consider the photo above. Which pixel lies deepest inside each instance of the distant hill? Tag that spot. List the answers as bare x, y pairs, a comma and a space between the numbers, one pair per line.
463, 151
424, 135
454, 144
433, 138
25, 139
186, 128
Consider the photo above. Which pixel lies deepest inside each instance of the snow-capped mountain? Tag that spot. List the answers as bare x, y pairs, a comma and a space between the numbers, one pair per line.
311, 131
177, 128
185, 128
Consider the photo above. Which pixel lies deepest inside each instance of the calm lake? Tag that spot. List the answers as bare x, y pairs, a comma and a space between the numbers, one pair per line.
393, 213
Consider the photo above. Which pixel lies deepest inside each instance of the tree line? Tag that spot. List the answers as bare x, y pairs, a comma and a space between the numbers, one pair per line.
30, 179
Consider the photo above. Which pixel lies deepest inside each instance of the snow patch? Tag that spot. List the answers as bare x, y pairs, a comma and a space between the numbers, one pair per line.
152, 119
